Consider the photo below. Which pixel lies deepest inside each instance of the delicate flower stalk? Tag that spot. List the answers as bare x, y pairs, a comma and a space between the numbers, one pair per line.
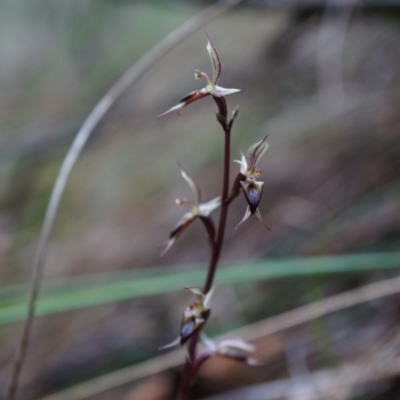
197, 313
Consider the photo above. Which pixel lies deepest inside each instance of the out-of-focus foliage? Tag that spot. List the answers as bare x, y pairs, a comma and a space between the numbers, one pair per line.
98, 289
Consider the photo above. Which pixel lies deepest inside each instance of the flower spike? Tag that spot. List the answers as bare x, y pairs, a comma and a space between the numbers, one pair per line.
211, 87
197, 210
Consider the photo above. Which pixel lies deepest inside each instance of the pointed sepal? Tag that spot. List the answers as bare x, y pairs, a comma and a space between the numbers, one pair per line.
215, 61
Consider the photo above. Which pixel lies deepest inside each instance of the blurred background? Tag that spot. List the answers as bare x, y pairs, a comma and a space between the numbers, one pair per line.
322, 77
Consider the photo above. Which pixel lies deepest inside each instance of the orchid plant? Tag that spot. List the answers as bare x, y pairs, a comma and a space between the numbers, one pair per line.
196, 314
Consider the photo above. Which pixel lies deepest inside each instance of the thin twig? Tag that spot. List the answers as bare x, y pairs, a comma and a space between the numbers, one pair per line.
81, 138
251, 332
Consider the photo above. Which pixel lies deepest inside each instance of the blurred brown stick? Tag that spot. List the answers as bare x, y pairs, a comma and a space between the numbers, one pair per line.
331, 384
381, 361
251, 332
81, 138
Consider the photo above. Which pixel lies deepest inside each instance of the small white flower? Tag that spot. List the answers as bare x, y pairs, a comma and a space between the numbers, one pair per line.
194, 316
235, 348
197, 210
211, 87
251, 187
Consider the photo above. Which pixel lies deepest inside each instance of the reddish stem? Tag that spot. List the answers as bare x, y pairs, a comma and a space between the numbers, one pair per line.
190, 365
224, 209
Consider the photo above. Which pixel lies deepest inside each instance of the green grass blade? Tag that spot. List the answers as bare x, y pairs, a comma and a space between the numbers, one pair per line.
94, 290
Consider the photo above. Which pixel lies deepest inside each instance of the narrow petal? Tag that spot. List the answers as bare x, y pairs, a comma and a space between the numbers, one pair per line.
256, 151
207, 208
246, 216
243, 164
195, 95
260, 218
237, 349
207, 298
178, 107
196, 291
172, 344
190, 98
215, 61
193, 185
187, 352
234, 348
182, 224
179, 227
168, 246
220, 91
237, 343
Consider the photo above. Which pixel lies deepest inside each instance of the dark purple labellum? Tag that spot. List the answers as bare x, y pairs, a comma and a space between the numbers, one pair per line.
190, 326
252, 194
253, 198
187, 330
